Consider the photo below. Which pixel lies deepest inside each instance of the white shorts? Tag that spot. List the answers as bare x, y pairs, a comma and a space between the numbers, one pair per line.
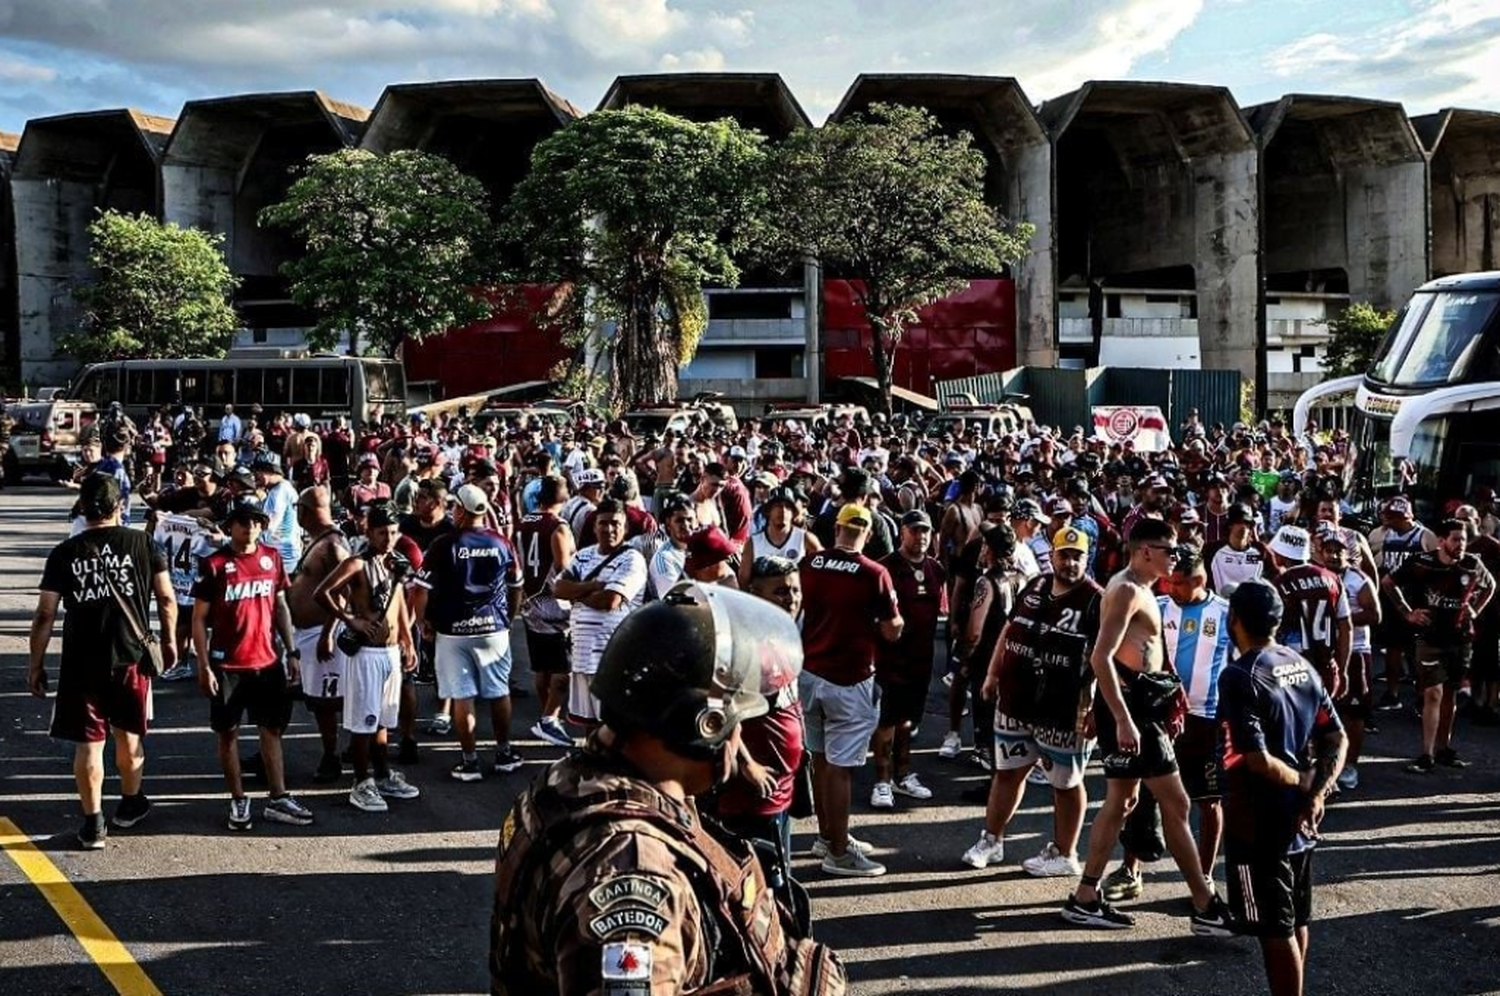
372, 689
839, 719
583, 708
321, 679
473, 667
1063, 753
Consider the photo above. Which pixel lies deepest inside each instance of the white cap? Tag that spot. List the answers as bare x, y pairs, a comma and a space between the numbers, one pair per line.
588, 476
473, 499
1293, 543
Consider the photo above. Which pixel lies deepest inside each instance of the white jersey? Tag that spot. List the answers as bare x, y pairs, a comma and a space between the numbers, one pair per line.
793, 549
665, 569
574, 512
183, 541
1354, 583
1281, 511
1198, 645
625, 575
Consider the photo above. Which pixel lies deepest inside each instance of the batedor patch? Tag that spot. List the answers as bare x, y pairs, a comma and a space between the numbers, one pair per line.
625, 969
629, 890
627, 919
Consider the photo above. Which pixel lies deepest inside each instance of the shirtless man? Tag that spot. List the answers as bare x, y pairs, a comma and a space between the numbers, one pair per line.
961, 520
322, 680
366, 593
1134, 741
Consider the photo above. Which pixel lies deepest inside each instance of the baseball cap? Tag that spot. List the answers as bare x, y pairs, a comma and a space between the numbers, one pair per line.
241, 475
854, 515
301, 420
1071, 539
369, 460
381, 514
707, 547
1060, 506
589, 478
265, 459
917, 519
1189, 516
1156, 483
737, 453
1240, 513
1030, 508
1291, 542
245, 509
473, 499
1329, 533
1399, 505
783, 496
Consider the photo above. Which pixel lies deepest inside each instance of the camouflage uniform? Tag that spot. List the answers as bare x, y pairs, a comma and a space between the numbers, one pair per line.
607, 886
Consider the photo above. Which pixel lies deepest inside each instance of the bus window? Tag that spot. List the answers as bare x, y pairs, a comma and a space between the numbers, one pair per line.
220, 387
100, 386
305, 387
278, 388
139, 387
191, 383
382, 379
334, 392
247, 387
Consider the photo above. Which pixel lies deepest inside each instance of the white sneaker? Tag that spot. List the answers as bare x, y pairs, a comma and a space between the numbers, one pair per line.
853, 864
820, 846
367, 797
1053, 863
912, 787
1348, 779
953, 744
395, 786
881, 796
988, 850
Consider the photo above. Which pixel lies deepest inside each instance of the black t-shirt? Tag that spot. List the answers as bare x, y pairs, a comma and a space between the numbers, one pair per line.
80, 569
423, 535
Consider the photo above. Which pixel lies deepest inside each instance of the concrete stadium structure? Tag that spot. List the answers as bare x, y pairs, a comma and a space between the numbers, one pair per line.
1170, 221
10, 334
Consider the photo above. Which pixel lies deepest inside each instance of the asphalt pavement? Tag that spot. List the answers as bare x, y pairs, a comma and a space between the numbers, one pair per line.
398, 903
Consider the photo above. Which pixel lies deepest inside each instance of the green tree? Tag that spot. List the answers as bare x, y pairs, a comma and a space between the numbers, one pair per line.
637, 209
890, 200
161, 292
395, 247
1353, 338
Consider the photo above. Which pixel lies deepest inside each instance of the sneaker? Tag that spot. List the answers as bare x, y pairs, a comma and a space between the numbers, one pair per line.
467, 771
1098, 914
92, 833
982, 759
988, 850
1448, 758
239, 814
1122, 885
395, 786
953, 744
1216, 921
367, 797
854, 864
1389, 702
507, 760
550, 729
285, 809
131, 810
1037, 776
820, 846
911, 786
330, 769
181, 671
1421, 766
1053, 863
1348, 779
882, 797
441, 724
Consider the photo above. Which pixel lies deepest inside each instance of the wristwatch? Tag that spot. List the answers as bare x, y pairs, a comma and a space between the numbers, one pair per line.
294, 652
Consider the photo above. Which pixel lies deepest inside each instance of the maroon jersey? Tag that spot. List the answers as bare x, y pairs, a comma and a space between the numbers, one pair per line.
1314, 599
922, 593
1447, 591
241, 590
844, 596
534, 543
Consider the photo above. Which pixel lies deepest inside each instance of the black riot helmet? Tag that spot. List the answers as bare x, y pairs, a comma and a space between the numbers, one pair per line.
690, 668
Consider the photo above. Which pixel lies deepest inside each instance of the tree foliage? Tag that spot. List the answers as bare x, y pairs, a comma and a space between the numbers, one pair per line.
638, 209
888, 199
1353, 338
395, 246
161, 292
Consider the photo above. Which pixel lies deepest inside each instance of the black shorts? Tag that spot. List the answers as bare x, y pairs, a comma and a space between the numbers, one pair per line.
1270, 897
1198, 757
1486, 663
1154, 759
548, 652
1442, 666
1354, 699
262, 695
901, 702
90, 703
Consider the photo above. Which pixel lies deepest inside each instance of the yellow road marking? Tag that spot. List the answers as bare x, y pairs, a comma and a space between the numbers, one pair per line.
98, 941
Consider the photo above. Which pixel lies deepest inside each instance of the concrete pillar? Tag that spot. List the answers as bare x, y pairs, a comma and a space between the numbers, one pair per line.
1464, 185
1386, 209
1036, 275
1226, 241
10, 335
812, 356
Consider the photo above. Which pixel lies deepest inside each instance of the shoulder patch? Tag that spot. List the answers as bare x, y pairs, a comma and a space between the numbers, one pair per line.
628, 920
629, 890
625, 969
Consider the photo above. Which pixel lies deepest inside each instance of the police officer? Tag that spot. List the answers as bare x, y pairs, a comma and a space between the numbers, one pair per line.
609, 881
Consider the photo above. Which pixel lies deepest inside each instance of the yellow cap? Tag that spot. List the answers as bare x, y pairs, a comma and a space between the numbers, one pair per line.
1071, 539
854, 515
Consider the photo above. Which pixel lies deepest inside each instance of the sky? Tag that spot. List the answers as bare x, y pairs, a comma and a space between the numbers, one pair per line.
61, 56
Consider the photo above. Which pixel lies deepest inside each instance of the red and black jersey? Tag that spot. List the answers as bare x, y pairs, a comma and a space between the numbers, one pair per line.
1447, 591
534, 544
922, 593
1314, 599
241, 590
845, 595
1044, 665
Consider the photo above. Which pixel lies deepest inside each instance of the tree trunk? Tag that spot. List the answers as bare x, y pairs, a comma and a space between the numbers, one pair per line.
884, 361
645, 358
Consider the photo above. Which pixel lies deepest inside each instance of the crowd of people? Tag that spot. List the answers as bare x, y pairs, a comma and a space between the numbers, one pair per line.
1201, 620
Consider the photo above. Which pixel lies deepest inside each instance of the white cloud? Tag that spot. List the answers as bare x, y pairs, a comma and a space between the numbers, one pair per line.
702, 60
1446, 53
14, 70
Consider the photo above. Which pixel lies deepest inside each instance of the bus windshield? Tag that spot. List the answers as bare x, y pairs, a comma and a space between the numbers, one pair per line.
1437, 339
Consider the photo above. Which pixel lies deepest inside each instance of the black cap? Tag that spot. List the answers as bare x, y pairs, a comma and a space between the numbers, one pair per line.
245, 509
917, 519
1240, 513
265, 460
1257, 604
783, 496
380, 514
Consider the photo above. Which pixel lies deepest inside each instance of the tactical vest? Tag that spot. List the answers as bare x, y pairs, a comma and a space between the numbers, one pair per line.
548, 834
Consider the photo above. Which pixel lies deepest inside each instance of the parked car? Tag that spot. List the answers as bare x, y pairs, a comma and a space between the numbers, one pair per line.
704, 412
46, 437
